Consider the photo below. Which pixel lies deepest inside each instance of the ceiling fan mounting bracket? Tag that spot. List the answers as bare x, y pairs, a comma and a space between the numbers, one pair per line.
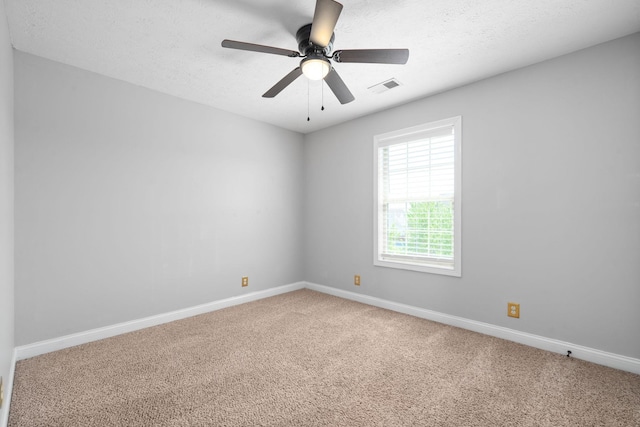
307, 48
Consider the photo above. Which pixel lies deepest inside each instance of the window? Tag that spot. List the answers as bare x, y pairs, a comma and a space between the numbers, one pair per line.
417, 212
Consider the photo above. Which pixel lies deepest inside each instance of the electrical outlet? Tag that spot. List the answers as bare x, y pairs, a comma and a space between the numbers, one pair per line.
245, 281
513, 310
356, 280
1, 392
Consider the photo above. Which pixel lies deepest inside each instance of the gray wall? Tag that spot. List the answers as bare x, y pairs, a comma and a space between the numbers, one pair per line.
551, 201
131, 203
6, 201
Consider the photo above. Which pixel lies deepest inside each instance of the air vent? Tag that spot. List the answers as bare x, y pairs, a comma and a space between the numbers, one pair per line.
385, 86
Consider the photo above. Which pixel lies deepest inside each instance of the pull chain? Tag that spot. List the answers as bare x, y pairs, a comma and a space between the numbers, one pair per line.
308, 102
322, 84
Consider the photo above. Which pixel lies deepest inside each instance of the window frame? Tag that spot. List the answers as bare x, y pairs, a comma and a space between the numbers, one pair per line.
402, 136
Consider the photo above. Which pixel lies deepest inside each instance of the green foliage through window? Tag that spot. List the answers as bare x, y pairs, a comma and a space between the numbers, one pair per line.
423, 229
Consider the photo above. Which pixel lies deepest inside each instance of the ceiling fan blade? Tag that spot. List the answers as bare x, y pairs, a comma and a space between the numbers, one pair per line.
337, 86
286, 81
232, 44
378, 56
324, 21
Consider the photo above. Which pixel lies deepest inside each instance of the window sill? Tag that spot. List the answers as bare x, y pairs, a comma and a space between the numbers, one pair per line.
424, 268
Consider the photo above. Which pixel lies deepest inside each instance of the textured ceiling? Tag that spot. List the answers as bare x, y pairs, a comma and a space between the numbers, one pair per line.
173, 46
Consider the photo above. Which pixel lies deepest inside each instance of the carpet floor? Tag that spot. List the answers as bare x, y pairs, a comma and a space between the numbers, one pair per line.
309, 359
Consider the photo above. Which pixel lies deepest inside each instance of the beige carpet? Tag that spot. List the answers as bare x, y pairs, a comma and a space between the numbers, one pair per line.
309, 359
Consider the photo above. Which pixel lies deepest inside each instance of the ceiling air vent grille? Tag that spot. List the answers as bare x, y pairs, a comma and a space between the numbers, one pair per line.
385, 86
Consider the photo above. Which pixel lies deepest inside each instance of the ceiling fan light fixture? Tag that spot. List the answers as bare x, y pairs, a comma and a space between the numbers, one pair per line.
315, 68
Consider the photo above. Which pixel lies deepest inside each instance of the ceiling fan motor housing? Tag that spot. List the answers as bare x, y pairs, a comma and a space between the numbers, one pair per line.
307, 48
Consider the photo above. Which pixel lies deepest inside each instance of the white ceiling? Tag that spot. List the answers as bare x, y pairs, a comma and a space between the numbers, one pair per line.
173, 46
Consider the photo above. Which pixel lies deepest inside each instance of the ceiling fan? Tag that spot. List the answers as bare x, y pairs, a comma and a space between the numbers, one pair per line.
315, 43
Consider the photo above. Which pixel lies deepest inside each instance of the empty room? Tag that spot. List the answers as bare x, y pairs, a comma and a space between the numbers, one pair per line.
319, 213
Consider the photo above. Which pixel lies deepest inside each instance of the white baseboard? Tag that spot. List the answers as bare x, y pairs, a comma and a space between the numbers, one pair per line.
600, 357
47, 346
580, 352
8, 391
